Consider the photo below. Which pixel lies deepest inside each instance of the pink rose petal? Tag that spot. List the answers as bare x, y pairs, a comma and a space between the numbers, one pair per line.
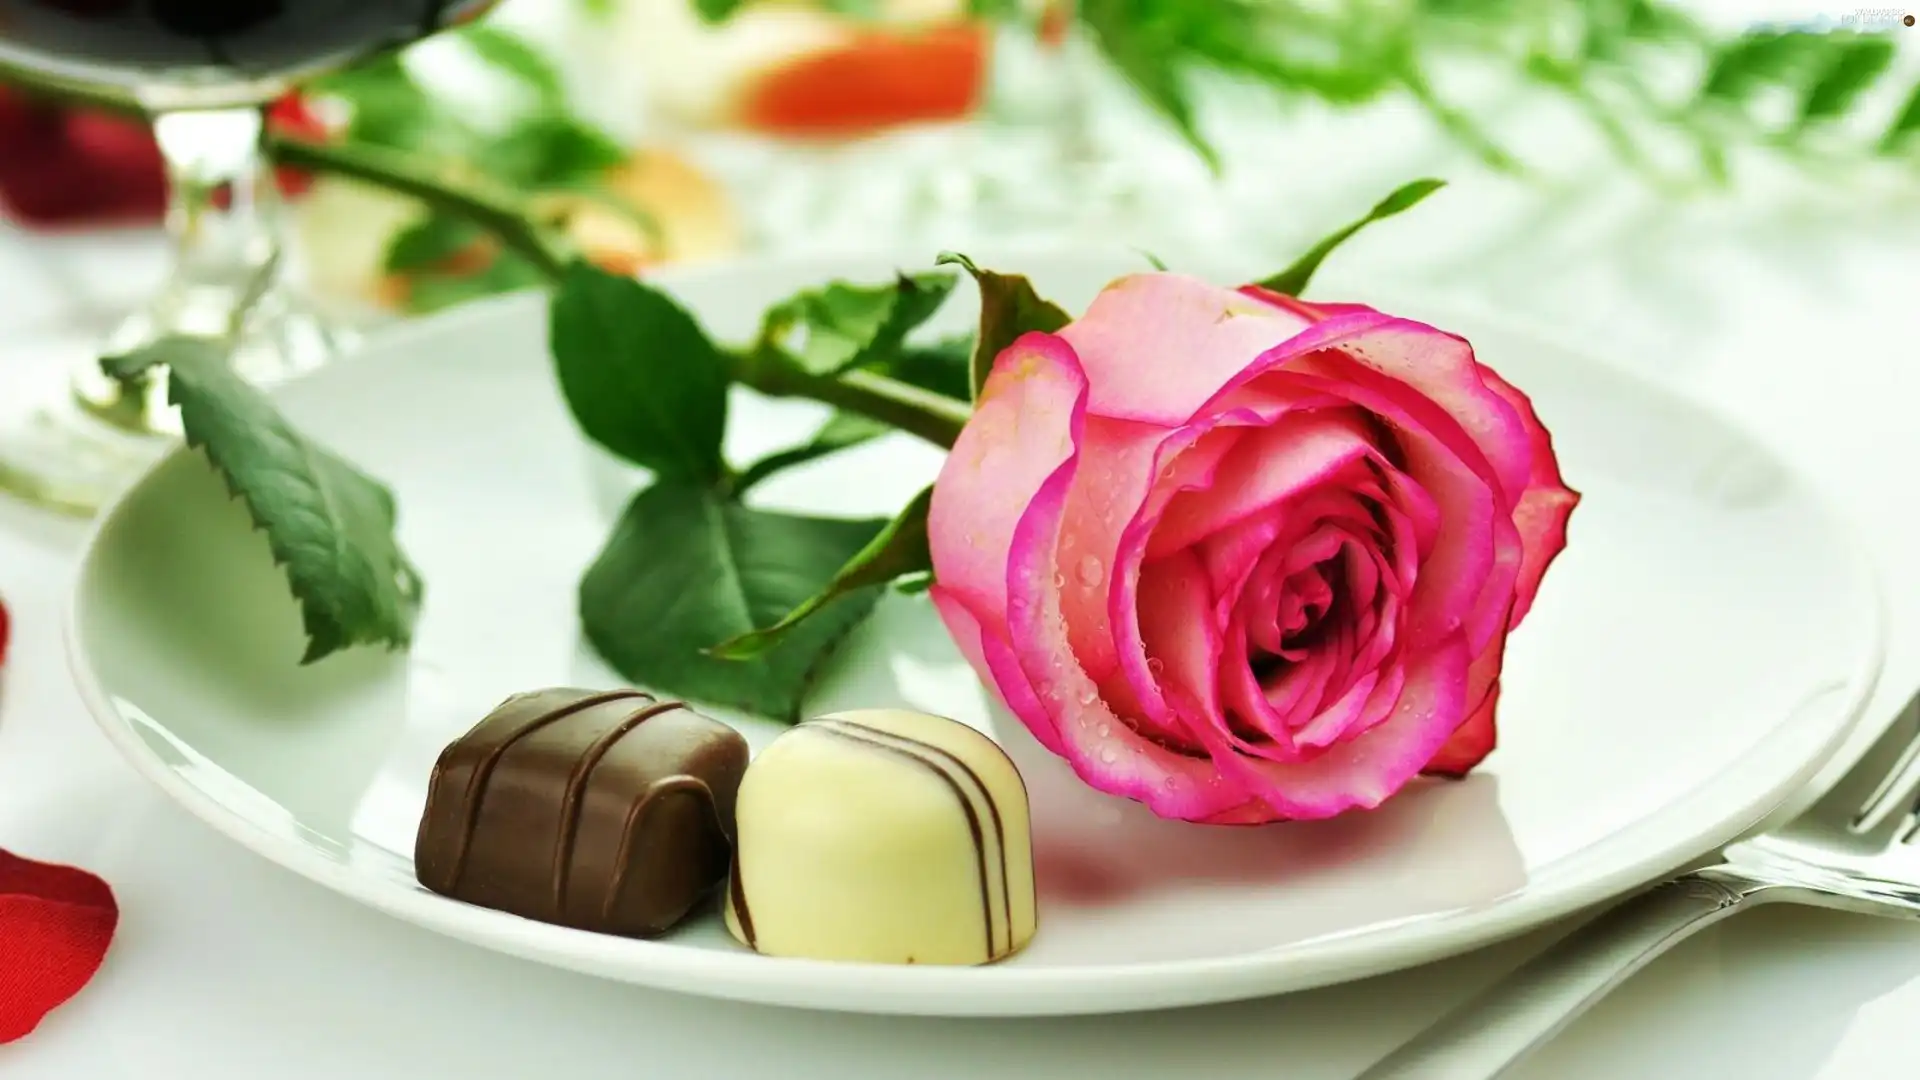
1186, 460
1441, 369
1362, 772
1542, 513
1180, 634
1295, 453
1476, 550
1017, 437
1378, 706
1470, 743
1157, 346
993, 660
1103, 750
1103, 499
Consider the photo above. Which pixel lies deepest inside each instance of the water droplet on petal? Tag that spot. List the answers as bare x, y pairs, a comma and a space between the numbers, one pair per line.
1088, 695
1090, 571
1059, 581
1108, 756
1155, 665
1170, 783
1104, 729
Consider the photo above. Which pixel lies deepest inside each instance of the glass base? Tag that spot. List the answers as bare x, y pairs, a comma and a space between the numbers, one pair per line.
74, 440
58, 458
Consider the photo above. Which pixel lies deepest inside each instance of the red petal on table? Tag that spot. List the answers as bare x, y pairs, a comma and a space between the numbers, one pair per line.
55, 925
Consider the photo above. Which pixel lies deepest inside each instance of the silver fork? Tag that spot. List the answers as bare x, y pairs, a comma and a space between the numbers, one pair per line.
1854, 850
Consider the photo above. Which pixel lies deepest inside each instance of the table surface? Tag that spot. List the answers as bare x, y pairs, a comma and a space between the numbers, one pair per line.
1794, 309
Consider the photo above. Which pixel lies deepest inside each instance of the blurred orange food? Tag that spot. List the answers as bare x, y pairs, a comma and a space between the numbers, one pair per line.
878, 78
799, 68
346, 227
691, 216
688, 218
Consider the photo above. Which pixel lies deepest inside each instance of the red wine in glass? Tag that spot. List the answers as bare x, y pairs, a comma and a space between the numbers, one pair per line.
238, 42
203, 69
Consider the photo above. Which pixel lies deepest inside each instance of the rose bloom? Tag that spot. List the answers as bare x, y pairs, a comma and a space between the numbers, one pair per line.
1243, 558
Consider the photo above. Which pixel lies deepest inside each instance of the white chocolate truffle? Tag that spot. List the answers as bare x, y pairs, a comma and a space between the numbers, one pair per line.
883, 836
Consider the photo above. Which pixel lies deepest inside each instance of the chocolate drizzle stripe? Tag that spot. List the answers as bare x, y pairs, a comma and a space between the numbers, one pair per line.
737, 900
576, 791
483, 772
938, 761
985, 796
630, 827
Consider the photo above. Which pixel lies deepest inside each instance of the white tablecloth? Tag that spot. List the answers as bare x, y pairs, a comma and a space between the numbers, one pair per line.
1797, 313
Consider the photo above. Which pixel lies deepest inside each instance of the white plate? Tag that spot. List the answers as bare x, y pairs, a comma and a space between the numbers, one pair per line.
1703, 645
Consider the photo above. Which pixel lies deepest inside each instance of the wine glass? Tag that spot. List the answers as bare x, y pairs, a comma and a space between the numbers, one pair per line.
204, 71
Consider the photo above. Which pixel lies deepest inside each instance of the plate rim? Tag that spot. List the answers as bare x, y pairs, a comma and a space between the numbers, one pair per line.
1010, 991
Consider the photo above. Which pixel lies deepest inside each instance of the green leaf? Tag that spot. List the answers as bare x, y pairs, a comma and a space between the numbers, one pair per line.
1293, 280
716, 11
429, 242
941, 366
1154, 261
1905, 127
914, 584
687, 568
549, 151
386, 107
640, 376
1346, 57
863, 10
514, 56
1648, 20
841, 431
1008, 308
1853, 69
1761, 59
849, 326
1144, 43
329, 526
899, 549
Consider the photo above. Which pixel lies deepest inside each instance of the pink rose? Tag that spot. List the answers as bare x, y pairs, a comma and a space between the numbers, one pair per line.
1242, 558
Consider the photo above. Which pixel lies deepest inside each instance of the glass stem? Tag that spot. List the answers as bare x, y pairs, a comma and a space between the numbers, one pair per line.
224, 220
224, 258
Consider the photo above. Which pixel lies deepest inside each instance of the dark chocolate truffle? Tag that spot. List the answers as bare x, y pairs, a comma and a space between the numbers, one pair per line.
610, 811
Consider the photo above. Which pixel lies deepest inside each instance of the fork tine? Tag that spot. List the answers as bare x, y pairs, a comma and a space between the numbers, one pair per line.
1895, 793
1909, 830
